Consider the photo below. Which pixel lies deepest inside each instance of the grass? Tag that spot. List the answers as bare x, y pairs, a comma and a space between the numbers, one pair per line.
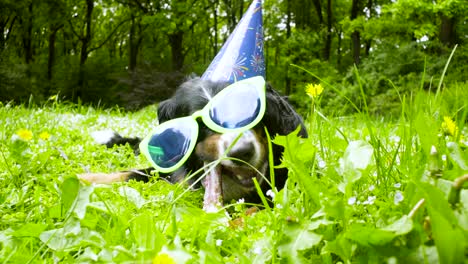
361, 189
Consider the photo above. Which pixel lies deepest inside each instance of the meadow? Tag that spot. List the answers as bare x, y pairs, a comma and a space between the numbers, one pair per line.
361, 189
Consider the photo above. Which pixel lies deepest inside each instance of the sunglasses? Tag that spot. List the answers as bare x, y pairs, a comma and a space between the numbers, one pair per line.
237, 108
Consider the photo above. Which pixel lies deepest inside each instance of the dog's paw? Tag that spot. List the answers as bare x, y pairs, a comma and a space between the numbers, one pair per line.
105, 178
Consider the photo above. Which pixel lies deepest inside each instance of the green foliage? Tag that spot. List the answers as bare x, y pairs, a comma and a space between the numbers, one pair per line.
45, 47
360, 189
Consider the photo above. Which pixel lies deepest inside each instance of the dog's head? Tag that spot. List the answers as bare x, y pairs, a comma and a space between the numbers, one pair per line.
248, 156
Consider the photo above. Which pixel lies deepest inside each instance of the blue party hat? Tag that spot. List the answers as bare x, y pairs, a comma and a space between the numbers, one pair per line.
241, 57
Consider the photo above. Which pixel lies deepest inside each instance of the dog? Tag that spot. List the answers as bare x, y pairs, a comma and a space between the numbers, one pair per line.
248, 157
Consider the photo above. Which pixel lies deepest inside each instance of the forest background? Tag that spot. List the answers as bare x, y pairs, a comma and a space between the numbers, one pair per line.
135, 52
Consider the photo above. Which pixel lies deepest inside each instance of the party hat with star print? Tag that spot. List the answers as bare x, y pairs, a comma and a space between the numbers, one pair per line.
241, 57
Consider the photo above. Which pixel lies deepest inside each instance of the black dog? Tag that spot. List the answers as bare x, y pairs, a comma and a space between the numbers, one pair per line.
235, 176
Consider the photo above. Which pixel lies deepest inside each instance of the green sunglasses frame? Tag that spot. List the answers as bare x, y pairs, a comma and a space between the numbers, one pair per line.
258, 82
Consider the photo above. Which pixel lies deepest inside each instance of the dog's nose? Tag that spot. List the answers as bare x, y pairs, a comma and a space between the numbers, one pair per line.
244, 151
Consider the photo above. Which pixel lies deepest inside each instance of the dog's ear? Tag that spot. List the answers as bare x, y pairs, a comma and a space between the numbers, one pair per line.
166, 110
280, 117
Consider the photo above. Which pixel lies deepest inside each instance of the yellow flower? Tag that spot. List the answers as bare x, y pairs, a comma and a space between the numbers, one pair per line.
24, 134
163, 258
314, 90
44, 135
53, 98
449, 127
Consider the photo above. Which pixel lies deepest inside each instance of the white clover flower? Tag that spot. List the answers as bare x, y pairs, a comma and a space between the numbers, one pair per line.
257, 250
271, 194
219, 242
322, 164
398, 197
352, 200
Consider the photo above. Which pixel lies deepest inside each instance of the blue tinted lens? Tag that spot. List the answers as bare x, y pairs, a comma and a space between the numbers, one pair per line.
237, 108
170, 145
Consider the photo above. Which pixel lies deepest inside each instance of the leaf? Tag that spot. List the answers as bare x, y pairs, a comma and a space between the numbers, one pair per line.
427, 130
368, 236
145, 233
298, 153
70, 237
449, 239
447, 234
401, 226
297, 238
357, 156
341, 246
69, 188
456, 155
82, 201
30, 230
132, 195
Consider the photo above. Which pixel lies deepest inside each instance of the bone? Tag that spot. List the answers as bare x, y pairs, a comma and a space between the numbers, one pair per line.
213, 199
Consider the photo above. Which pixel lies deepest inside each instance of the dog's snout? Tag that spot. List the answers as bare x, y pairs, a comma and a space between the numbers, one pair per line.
244, 151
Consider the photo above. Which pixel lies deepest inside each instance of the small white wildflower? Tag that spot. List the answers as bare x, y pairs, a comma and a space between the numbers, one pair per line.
271, 194
433, 150
241, 201
395, 139
322, 164
398, 197
397, 185
352, 200
219, 242
257, 251
370, 200
279, 206
372, 187
444, 157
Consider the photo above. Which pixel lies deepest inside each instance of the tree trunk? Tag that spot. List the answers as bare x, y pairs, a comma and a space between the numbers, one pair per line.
176, 41
85, 40
288, 52
318, 9
338, 55
448, 34
27, 37
6, 31
328, 39
368, 42
355, 36
215, 27
51, 58
133, 49
241, 9
356, 40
